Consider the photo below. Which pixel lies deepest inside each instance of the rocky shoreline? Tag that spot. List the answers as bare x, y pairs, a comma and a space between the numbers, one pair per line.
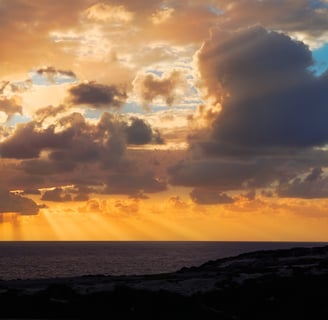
277, 284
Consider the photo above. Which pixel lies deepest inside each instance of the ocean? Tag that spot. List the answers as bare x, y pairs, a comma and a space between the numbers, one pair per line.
32, 260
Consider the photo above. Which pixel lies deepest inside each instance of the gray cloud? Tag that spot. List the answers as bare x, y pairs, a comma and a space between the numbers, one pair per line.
31, 191
28, 141
169, 87
20, 87
139, 132
15, 203
209, 196
10, 106
269, 97
223, 174
51, 72
3, 85
49, 111
306, 17
75, 151
314, 185
250, 194
81, 193
134, 184
45, 167
78, 141
56, 195
81, 197
272, 118
97, 95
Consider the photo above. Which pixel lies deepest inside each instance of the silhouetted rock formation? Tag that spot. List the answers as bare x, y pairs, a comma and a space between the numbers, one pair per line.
280, 284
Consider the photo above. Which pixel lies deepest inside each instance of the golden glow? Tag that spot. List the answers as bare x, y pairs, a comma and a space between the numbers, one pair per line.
170, 219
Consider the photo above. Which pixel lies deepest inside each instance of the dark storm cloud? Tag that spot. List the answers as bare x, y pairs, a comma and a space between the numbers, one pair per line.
268, 96
51, 72
134, 184
97, 95
273, 115
208, 196
15, 203
56, 195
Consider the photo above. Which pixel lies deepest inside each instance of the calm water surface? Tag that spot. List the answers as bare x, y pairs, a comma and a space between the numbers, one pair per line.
27, 260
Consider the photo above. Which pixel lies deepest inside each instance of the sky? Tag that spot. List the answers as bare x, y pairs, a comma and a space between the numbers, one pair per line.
164, 120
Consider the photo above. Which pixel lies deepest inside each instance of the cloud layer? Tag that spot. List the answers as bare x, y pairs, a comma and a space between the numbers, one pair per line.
85, 85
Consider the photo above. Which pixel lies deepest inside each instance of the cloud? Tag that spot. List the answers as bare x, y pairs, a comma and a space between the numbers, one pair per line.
269, 109
97, 95
106, 13
3, 85
269, 93
161, 16
139, 132
51, 73
21, 87
305, 20
76, 140
313, 186
134, 184
81, 193
28, 141
49, 111
31, 191
44, 167
15, 203
28, 26
222, 174
250, 195
75, 151
209, 196
10, 106
170, 87
270, 119
56, 195
81, 197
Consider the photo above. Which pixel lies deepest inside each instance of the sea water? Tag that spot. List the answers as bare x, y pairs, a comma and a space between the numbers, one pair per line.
31, 260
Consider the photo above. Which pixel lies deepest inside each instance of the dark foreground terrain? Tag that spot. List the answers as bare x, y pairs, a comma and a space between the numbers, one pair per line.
280, 284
